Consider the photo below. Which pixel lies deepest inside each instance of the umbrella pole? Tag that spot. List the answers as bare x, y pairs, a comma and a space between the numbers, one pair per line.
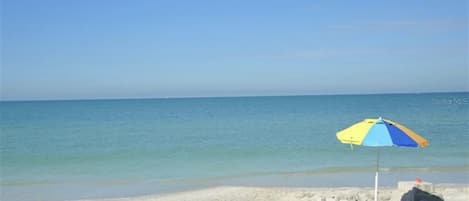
376, 176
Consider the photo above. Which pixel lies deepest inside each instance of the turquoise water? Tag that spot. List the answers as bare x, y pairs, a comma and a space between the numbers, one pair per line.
59, 150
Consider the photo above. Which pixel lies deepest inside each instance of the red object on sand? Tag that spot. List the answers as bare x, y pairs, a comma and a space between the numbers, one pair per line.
418, 180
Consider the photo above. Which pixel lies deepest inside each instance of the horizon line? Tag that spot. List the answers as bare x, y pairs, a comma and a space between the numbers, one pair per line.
240, 96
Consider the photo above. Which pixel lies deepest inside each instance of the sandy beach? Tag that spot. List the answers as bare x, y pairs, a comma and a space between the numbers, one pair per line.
450, 192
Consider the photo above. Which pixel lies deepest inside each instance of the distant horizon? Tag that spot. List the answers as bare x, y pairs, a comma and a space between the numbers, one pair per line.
241, 96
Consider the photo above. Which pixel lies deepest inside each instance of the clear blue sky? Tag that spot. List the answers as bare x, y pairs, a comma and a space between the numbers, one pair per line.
124, 49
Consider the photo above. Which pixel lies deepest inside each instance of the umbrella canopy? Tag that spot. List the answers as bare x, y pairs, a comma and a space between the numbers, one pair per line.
380, 132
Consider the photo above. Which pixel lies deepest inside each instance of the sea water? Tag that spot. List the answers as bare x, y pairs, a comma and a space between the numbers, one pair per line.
65, 150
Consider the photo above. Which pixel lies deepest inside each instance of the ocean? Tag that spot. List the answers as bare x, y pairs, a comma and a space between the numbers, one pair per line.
82, 149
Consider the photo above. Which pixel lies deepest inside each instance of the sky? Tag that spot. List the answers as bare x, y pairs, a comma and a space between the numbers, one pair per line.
93, 49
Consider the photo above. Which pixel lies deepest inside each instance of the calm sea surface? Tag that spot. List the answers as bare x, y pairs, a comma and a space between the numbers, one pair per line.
61, 150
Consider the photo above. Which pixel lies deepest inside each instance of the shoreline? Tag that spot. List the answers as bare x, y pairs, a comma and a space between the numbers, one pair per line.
296, 185
451, 192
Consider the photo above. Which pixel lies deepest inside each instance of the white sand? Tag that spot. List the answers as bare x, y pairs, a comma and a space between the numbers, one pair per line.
233, 193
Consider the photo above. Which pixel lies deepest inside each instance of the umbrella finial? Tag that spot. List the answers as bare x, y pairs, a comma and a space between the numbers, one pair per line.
380, 120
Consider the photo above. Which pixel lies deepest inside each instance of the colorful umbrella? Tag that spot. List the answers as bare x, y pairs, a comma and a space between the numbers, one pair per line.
377, 133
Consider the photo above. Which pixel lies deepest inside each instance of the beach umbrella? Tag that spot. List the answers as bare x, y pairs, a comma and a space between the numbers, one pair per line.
379, 132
